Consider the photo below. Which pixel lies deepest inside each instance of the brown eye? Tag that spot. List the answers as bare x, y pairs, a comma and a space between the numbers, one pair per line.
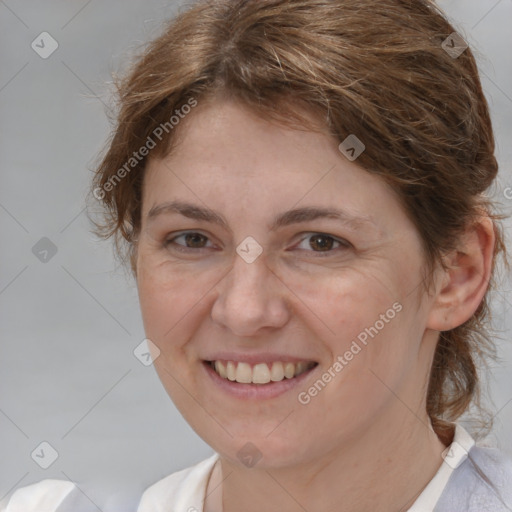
192, 240
323, 243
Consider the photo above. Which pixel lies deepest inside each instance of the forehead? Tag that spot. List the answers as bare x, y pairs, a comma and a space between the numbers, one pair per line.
224, 154
233, 133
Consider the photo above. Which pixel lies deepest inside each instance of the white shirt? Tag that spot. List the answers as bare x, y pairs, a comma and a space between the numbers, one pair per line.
460, 485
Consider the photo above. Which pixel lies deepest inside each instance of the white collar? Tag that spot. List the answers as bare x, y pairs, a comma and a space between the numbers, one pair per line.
453, 456
186, 489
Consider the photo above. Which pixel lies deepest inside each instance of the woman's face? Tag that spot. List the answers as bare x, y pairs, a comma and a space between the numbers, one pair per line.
248, 270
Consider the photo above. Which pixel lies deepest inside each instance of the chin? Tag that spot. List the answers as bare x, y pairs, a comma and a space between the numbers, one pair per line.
259, 451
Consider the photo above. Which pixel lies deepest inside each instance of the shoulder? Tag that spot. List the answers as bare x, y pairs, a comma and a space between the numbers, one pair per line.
482, 483
52, 495
46, 495
493, 468
183, 490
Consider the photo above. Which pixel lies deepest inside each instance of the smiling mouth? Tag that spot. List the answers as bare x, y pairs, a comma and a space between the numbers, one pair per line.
261, 373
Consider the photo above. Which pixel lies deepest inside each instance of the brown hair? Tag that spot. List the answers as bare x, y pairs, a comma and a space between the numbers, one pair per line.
374, 69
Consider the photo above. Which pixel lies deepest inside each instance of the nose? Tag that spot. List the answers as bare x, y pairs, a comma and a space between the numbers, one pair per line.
251, 298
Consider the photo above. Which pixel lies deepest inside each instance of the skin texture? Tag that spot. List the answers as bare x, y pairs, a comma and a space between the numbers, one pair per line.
356, 444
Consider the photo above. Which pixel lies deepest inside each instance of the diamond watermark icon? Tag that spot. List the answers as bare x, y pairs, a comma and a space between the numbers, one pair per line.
44, 45
249, 455
454, 455
44, 455
351, 147
44, 250
249, 249
454, 45
146, 352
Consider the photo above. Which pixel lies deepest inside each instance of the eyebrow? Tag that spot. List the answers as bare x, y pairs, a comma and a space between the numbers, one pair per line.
294, 216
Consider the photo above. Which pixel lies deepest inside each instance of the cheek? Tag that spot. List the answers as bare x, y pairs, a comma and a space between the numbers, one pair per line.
162, 305
364, 324
342, 304
168, 302
171, 298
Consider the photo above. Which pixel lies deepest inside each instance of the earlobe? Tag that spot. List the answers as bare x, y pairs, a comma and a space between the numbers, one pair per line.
463, 284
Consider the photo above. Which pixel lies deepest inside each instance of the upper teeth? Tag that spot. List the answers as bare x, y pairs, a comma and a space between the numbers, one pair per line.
260, 373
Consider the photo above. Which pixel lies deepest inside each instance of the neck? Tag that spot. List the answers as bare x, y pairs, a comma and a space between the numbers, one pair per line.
383, 468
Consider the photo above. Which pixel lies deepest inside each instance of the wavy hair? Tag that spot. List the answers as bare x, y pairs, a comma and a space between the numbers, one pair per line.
375, 69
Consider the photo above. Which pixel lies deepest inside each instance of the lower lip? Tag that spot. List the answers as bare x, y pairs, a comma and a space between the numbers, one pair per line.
256, 391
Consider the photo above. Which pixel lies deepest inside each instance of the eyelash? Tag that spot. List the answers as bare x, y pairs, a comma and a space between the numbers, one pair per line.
343, 243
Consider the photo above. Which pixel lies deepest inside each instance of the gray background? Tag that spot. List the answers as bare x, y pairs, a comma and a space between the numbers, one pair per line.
69, 326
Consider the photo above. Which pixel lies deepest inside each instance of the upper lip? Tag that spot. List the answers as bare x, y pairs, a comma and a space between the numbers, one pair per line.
255, 358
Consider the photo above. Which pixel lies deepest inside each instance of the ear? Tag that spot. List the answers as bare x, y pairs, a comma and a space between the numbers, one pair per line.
464, 283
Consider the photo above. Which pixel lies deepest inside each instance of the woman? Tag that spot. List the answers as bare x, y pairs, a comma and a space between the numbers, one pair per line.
299, 187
